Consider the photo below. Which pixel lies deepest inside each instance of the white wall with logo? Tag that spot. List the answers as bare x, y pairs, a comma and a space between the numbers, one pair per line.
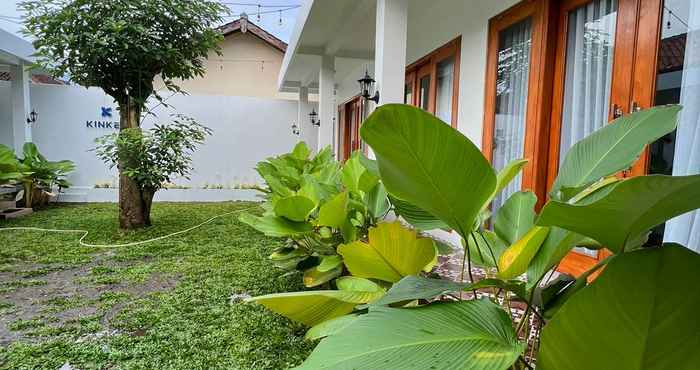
245, 131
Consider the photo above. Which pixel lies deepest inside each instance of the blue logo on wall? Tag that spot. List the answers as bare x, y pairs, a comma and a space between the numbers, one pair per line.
106, 112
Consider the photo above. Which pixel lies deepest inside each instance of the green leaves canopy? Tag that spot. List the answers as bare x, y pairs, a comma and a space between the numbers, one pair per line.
641, 313
629, 209
612, 149
464, 335
428, 164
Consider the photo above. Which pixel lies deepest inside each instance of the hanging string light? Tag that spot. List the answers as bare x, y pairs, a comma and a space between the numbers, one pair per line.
280, 23
259, 12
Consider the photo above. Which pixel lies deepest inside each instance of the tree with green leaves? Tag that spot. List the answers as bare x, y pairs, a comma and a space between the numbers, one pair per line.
122, 46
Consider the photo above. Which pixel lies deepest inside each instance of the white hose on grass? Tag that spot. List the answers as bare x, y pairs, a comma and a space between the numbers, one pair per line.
85, 232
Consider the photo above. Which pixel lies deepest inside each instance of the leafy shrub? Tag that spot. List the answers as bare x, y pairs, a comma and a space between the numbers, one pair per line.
441, 179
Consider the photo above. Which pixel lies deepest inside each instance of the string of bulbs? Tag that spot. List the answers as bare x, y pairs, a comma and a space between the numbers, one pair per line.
262, 9
672, 14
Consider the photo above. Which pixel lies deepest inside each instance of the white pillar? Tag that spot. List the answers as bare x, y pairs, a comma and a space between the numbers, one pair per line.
390, 50
307, 130
326, 102
21, 106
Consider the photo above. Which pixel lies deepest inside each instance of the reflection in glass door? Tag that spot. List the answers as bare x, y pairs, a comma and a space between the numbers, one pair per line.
678, 82
512, 76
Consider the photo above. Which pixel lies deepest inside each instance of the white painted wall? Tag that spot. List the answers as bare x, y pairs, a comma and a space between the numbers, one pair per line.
246, 130
432, 24
5, 114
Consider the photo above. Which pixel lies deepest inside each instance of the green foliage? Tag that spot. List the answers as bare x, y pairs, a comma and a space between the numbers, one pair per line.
121, 46
429, 164
318, 204
433, 174
9, 166
153, 158
441, 336
641, 313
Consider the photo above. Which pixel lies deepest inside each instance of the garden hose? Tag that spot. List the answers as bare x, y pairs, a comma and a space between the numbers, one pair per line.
86, 232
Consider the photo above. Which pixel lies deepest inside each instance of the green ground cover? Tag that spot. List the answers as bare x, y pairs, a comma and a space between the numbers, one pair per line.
172, 304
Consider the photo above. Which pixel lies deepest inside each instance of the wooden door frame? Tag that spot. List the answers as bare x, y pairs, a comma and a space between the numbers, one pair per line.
427, 66
355, 103
538, 106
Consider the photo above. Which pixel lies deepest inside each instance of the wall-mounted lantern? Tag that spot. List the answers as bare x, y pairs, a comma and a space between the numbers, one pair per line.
295, 129
366, 88
313, 116
32, 117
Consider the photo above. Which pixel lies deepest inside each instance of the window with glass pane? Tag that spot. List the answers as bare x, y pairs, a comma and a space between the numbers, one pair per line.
445, 80
678, 82
424, 93
513, 71
589, 60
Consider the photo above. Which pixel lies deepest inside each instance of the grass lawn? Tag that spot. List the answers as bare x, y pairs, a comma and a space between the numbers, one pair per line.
172, 304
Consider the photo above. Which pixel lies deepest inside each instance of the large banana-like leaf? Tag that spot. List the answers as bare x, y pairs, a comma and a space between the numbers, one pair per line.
334, 212
392, 253
516, 217
451, 336
629, 209
377, 201
415, 287
330, 327
315, 276
558, 243
294, 208
429, 164
640, 313
314, 307
515, 260
419, 218
301, 151
612, 149
276, 226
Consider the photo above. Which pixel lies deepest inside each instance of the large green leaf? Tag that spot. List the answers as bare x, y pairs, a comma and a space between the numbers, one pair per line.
515, 260
506, 175
629, 209
276, 226
377, 201
613, 148
641, 313
334, 212
429, 164
301, 151
313, 307
392, 253
294, 208
516, 217
330, 327
419, 218
415, 287
558, 243
315, 276
451, 336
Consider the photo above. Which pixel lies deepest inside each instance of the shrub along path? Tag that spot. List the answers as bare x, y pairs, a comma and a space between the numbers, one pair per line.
172, 304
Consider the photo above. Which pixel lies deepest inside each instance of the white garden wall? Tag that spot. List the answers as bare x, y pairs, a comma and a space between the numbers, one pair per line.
246, 130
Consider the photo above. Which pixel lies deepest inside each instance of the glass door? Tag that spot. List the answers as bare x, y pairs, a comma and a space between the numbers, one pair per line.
593, 74
674, 51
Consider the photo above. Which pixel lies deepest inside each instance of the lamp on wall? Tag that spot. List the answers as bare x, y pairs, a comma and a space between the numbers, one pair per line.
32, 117
295, 129
313, 116
367, 86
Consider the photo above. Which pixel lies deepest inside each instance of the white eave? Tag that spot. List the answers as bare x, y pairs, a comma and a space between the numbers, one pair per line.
341, 28
15, 50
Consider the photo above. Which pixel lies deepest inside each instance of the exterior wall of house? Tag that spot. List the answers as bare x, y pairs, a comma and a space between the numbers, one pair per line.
248, 66
5, 114
432, 24
246, 130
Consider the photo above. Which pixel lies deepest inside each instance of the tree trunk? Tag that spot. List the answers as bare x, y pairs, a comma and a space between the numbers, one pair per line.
147, 197
131, 204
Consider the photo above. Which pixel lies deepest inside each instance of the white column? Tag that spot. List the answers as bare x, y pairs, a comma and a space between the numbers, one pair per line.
303, 120
326, 102
390, 50
21, 106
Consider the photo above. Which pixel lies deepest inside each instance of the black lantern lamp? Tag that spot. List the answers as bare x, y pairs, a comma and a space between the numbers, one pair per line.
32, 117
313, 116
295, 129
367, 86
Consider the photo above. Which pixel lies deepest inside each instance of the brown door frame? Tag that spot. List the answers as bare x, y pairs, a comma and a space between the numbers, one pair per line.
350, 140
539, 97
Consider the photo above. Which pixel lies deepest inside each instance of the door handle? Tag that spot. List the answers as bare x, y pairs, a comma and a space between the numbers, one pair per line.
617, 111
